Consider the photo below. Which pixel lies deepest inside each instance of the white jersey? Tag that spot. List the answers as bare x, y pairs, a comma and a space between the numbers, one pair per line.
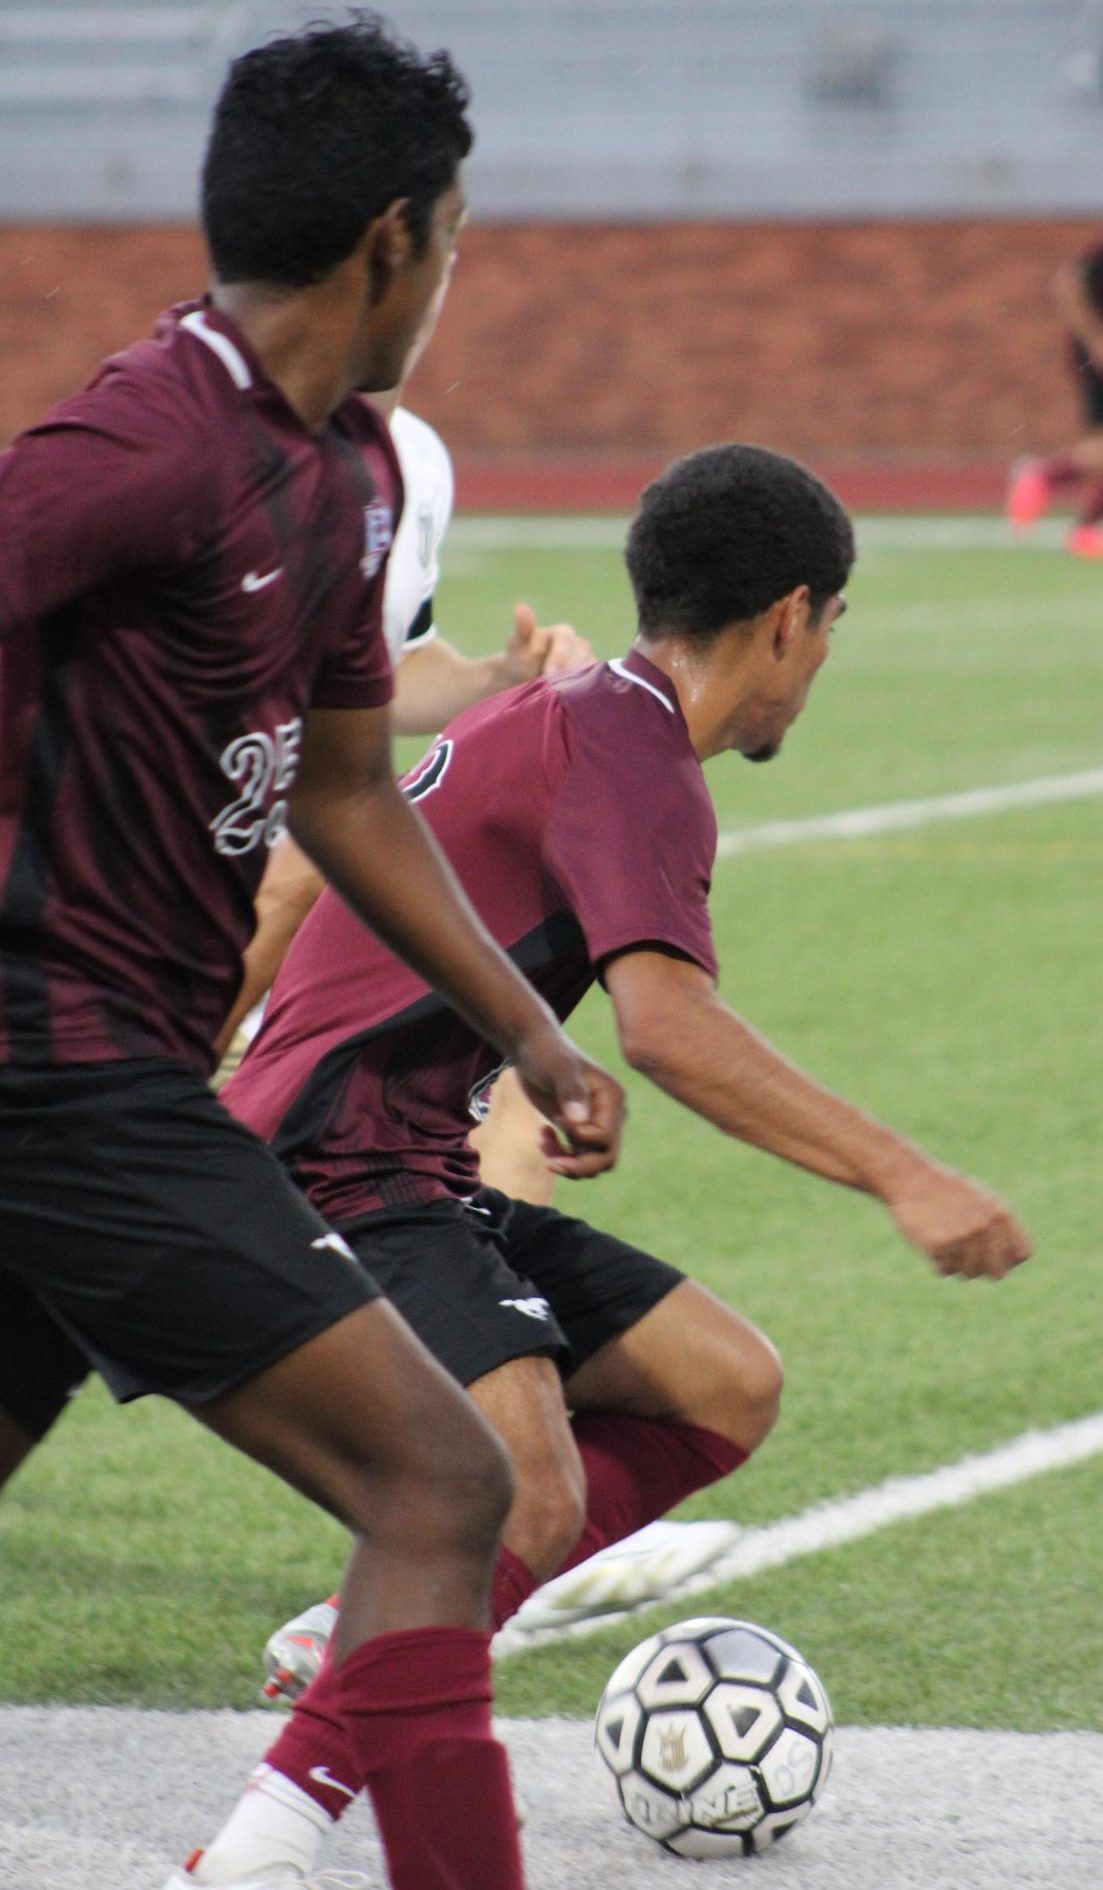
414, 566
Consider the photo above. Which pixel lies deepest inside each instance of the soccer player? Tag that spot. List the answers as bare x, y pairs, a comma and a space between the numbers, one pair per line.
577, 815
191, 658
1036, 482
433, 682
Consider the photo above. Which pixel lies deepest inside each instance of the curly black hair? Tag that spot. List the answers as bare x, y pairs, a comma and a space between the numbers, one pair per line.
313, 136
722, 534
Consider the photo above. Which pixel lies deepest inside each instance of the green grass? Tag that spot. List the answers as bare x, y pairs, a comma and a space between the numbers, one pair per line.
950, 1621
948, 980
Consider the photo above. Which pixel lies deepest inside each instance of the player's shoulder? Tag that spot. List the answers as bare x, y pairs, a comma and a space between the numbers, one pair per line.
626, 690
167, 387
417, 440
140, 413
624, 723
425, 460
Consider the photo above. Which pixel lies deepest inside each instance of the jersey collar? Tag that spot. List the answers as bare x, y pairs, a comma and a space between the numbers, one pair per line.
635, 668
221, 336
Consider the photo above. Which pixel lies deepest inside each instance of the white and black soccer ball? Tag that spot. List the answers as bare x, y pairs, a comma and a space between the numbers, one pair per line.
717, 1735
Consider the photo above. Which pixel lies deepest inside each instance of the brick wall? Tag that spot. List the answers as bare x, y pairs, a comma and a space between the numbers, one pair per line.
885, 343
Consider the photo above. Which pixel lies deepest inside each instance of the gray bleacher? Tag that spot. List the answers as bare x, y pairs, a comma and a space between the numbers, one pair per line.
616, 108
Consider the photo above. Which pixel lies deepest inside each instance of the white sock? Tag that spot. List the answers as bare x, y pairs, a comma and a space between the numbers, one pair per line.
275, 1826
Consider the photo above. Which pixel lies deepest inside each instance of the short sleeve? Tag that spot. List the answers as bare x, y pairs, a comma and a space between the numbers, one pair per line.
106, 484
631, 838
359, 674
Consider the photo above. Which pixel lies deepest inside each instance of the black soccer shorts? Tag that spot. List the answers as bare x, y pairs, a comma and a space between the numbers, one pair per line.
40, 1367
488, 1280
162, 1238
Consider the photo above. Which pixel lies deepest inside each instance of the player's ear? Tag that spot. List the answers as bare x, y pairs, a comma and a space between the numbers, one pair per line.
388, 246
791, 615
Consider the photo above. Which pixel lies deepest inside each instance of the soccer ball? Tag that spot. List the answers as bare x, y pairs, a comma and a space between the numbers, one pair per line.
718, 1737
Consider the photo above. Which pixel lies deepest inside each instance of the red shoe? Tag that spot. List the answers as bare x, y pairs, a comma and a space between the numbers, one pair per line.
1028, 493
1085, 541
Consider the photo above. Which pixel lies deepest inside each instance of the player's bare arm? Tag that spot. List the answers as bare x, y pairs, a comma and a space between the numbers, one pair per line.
436, 682
678, 1032
351, 818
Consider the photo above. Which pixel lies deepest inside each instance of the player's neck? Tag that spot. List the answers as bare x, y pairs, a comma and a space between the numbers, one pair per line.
707, 683
301, 340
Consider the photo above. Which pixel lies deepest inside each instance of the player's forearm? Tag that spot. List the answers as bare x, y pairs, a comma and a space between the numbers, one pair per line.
435, 683
707, 1058
376, 851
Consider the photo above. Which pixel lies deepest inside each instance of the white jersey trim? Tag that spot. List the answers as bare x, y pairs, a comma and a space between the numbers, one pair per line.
231, 358
419, 642
617, 665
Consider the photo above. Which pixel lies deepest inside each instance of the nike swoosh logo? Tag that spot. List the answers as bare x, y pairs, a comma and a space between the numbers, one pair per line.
324, 1777
254, 581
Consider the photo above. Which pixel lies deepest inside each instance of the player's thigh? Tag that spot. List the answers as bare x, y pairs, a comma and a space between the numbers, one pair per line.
362, 1419
690, 1356
523, 1401
162, 1236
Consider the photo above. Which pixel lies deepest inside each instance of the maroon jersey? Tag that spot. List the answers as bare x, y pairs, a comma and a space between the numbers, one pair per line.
576, 815
186, 569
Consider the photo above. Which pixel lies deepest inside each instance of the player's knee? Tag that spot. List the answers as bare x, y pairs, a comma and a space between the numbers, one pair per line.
741, 1395
547, 1518
477, 1482
758, 1393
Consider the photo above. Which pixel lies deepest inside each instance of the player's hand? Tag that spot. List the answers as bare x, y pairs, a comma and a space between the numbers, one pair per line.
584, 1106
962, 1227
541, 649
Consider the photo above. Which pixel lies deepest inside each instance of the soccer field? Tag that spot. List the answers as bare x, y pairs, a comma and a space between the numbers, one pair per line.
944, 975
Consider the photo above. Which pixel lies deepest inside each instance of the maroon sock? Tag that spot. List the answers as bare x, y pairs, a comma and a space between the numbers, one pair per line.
513, 1582
417, 1709
637, 1469
1062, 470
314, 1749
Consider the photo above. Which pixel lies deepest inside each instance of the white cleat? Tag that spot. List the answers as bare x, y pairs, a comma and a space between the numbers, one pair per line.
275, 1877
294, 1653
643, 1568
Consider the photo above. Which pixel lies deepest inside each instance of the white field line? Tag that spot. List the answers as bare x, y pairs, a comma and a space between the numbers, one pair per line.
603, 531
904, 816
850, 1518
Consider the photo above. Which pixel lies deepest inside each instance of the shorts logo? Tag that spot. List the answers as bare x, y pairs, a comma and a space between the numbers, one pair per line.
336, 1245
378, 534
532, 1308
259, 581
428, 773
